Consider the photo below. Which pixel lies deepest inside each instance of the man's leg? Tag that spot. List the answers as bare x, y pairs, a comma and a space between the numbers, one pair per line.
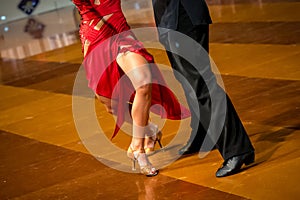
193, 81
233, 141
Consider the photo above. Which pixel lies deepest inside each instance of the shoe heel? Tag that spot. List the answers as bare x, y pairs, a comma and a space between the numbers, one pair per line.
130, 155
160, 145
158, 138
250, 159
141, 158
133, 165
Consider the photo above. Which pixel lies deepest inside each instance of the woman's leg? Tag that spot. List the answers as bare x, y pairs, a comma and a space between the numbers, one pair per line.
111, 106
137, 69
108, 103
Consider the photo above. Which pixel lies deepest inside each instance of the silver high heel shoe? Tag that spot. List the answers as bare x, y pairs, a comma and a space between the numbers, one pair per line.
146, 167
154, 135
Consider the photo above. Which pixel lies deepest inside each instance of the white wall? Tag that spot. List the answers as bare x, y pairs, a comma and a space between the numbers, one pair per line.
9, 8
60, 30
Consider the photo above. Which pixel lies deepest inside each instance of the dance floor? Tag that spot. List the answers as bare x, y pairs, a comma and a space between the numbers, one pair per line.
44, 153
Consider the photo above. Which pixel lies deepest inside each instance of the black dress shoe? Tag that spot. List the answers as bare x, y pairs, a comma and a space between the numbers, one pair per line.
189, 149
234, 164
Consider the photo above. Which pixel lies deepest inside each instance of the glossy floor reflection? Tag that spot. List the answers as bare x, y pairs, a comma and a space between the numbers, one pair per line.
254, 44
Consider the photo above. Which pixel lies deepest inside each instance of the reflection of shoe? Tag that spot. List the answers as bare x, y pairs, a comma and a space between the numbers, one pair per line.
188, 149
234, 164
146, 167
154, 135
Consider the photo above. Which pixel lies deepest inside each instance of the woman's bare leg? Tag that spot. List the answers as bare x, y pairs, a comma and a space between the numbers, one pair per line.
111, 107
136, 68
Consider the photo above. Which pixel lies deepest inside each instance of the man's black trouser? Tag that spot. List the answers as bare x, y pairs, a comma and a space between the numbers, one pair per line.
210, 106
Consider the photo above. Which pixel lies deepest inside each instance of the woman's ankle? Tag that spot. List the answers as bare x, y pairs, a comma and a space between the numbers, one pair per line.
137, 147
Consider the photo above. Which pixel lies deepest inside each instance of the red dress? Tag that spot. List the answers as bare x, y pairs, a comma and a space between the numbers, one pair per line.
105, 34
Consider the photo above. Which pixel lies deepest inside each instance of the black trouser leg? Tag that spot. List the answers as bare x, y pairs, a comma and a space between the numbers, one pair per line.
226, 129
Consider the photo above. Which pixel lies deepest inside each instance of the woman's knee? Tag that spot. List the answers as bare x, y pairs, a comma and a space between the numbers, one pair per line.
145, 90
140, 77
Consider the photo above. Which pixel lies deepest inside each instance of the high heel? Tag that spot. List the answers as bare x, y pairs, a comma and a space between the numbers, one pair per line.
141, 158
154, 135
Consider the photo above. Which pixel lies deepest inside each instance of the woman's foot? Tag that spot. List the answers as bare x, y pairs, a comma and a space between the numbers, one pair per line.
153, 135
146, 167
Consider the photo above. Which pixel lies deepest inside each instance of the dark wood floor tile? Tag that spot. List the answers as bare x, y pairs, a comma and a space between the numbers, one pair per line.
234, 2
124, 186
50, 85
30, 74
247, 32
31, 169
28, 165
266, 101
256, 32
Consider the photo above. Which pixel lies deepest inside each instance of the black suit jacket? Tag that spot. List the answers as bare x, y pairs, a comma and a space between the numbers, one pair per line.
166, 12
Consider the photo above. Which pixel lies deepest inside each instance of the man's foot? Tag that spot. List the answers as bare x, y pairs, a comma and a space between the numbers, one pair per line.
234, 164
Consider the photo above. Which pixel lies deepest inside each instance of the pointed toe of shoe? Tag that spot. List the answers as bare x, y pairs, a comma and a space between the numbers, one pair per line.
234, 164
